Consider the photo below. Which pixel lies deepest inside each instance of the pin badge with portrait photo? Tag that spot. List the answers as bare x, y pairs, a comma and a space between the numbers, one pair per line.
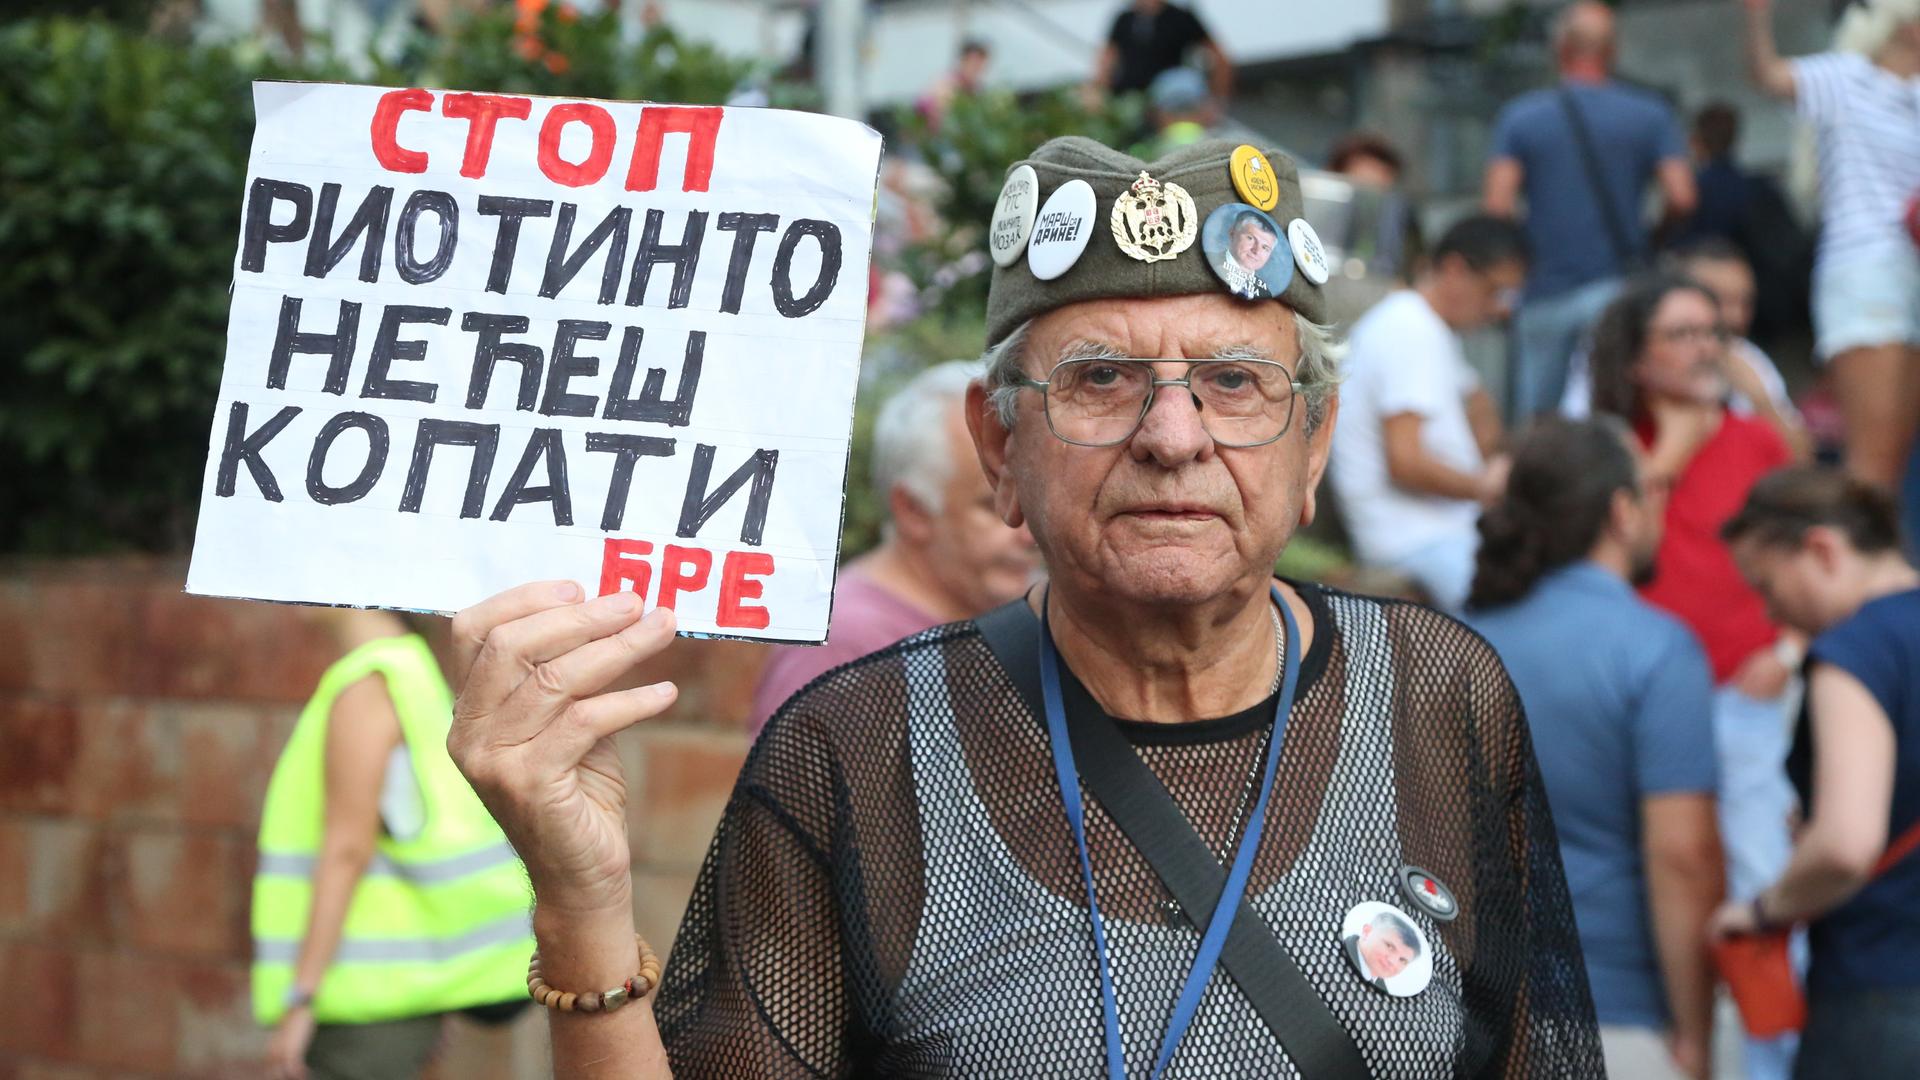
1387, 949
1247, 251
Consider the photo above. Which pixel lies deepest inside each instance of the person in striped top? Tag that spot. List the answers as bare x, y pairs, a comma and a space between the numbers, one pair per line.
1863, 100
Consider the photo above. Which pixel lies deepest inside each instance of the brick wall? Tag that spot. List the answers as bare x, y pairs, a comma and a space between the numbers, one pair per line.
138, 726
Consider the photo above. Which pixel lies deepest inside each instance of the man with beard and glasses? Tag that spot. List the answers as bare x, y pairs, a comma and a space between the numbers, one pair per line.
1115, 827
1620, 699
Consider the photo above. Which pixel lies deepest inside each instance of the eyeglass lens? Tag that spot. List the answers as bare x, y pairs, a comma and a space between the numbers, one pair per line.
1100, 401
1680, 335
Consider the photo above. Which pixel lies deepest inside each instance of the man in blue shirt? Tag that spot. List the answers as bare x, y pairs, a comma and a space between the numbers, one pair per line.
1619, 700
1583, 196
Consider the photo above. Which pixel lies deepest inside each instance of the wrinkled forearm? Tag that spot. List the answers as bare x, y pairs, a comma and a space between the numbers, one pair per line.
581, 953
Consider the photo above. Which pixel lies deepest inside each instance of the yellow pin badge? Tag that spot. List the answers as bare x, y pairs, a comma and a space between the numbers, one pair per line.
1253, 178
1153, 221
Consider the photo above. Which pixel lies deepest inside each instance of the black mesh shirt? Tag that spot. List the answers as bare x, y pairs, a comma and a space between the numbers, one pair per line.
894, 889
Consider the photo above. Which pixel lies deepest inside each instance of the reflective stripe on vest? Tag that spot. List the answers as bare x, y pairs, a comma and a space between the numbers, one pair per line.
513, 928
425, 872
439, 920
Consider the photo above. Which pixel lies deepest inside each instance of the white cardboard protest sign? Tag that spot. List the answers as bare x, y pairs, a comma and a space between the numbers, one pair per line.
478, 340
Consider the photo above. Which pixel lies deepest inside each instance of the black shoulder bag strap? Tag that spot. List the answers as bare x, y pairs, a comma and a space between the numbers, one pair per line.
1624, 251
1139, 804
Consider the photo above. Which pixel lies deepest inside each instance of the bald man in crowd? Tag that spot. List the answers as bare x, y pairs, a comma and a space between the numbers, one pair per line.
1582, 154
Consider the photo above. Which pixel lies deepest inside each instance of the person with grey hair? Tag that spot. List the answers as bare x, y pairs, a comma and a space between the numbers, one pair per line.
1052, 840
944, 553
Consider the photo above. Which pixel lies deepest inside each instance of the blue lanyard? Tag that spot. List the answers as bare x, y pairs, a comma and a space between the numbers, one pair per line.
1215, 937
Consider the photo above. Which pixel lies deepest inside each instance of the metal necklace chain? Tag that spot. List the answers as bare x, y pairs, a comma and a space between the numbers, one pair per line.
1279, 649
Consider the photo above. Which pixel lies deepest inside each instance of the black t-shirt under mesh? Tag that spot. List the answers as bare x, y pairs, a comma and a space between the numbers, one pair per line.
894, 889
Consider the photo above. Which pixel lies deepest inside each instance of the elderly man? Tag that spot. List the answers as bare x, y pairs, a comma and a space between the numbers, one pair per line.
1250, 244
946, 554
1051, 841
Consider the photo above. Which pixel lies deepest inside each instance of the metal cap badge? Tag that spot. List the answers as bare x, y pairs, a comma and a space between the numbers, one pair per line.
1154, 221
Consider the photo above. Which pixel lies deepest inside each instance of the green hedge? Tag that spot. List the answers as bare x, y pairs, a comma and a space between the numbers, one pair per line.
120, 185
120, 188
980, 135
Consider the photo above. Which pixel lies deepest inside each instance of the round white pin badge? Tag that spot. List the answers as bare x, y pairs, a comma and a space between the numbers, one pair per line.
1061, 230
1387, 949
1013, 215
1308, 254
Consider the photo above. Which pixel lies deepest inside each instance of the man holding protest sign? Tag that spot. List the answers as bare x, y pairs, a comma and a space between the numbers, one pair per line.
1053, 839
477, 338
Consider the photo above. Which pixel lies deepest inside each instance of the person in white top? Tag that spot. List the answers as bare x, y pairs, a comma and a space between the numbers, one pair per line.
1415, 452
1863, 100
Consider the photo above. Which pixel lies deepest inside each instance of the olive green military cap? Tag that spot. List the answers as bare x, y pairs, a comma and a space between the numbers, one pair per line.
1104, 270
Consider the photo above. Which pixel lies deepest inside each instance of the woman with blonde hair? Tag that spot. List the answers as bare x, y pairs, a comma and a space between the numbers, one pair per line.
1862, 99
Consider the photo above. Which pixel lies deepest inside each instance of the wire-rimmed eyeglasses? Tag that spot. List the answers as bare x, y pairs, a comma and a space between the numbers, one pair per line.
1101, 401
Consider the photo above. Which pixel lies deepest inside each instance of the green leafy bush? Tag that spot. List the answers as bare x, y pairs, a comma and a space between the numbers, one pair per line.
119, 188
568, 55
120, 192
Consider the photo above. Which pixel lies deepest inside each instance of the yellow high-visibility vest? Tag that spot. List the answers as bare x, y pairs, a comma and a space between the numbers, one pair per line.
440, 919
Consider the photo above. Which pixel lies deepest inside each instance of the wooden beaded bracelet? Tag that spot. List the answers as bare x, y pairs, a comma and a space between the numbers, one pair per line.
633, 989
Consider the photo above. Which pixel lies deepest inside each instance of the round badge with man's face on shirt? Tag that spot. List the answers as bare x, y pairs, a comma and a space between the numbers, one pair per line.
1247, 251
1387, 948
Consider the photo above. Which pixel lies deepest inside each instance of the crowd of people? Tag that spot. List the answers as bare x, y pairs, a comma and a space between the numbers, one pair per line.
1626, 566
1608, 549
1624, 550
1707, 641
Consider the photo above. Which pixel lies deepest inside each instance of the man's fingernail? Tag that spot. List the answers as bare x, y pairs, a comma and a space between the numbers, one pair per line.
620, 602
566, 590
660, 616
665, 689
